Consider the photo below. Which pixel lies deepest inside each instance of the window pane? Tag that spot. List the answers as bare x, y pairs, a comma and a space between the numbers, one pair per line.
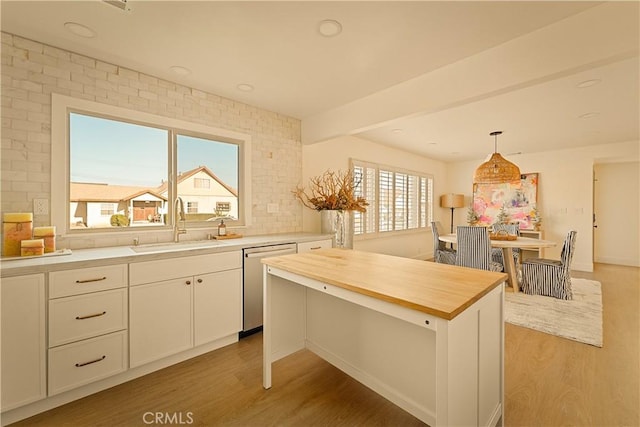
116, 164
385, 200
208, 178
412, 202
400, 202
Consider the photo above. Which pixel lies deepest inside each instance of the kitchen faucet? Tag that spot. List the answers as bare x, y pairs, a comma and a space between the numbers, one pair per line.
179, 216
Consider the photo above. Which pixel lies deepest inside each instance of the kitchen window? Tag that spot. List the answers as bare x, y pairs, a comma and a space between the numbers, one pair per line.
139, 164
399, 200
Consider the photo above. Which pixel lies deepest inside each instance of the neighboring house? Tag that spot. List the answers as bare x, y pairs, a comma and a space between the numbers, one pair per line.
205, 197
92, 205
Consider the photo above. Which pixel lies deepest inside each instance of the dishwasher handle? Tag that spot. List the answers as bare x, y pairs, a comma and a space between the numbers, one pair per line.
269, 253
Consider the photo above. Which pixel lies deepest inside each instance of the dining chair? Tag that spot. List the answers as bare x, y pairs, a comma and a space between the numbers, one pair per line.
474, 248
496, 253
541, 276
441, 253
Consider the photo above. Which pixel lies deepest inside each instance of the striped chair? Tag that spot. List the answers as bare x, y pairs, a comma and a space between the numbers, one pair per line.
441, 253
550, 277
496, 253
474, 249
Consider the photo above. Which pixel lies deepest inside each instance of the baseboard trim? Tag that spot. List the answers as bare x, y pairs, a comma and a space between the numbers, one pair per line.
619, 261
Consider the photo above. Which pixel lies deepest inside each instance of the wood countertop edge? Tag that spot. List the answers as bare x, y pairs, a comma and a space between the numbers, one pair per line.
447, 315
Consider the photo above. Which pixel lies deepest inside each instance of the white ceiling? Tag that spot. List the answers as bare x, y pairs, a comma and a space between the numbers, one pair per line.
397, 72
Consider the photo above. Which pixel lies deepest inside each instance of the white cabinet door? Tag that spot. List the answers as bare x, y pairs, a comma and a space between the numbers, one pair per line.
217, 305
23, 340
160, 319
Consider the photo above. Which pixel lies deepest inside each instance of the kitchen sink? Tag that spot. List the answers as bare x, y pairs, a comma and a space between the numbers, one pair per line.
175, 246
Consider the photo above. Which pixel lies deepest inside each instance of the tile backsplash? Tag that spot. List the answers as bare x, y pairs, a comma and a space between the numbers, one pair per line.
32, 71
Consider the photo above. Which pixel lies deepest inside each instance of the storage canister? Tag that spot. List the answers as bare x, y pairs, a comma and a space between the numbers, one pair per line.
48, 234
32, 247
16, 227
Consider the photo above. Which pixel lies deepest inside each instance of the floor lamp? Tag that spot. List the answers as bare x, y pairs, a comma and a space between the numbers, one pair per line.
452, 201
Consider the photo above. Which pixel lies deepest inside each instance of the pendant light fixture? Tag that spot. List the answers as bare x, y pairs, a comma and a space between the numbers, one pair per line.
497, 169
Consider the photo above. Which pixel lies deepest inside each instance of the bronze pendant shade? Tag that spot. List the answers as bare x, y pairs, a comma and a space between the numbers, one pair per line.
497, 169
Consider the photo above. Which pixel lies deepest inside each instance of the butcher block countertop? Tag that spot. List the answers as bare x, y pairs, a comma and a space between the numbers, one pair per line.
437, 289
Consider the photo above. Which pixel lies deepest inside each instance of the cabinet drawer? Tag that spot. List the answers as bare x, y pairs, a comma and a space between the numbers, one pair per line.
85, 316
80, 363
310, 246
174, 268
85, 280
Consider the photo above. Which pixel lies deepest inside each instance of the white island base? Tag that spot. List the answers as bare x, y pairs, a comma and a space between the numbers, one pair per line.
444, 372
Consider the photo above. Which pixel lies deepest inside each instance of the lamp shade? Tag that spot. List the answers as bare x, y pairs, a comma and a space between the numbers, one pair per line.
452, 200
496, 171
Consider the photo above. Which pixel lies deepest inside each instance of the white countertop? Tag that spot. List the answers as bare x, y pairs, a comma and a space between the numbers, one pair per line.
81, 258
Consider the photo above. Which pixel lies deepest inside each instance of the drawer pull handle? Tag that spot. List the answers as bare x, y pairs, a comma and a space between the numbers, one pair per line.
89, 316
92, 280
80, 365
316, 247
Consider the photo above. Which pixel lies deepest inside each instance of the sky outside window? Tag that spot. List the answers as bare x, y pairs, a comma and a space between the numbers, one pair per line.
119, 153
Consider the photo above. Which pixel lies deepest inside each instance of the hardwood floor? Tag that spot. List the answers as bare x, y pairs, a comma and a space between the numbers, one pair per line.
549, 381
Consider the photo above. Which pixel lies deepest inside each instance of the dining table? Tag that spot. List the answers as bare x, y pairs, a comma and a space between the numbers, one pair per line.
507, 247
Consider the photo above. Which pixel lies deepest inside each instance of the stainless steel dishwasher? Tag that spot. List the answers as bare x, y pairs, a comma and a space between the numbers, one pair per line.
252, 283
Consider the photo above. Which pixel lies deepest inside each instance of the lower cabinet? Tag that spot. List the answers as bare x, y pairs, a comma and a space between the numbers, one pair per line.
87, 325
217, 301
160, 320
86, 361
170, 316
23, 340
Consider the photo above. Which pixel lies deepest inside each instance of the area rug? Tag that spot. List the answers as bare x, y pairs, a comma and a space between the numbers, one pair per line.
579, 319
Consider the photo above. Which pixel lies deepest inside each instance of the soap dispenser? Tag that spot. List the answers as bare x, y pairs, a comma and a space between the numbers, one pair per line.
222, 228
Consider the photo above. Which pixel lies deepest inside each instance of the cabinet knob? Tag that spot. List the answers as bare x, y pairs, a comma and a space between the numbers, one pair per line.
199, 280
188, 282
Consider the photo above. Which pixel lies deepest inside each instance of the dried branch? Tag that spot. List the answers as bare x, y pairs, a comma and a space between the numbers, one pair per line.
332, 191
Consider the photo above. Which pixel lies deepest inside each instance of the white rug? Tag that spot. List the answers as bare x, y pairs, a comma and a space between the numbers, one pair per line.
579, 319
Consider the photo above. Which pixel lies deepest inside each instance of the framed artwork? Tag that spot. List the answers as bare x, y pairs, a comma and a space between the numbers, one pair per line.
518, 201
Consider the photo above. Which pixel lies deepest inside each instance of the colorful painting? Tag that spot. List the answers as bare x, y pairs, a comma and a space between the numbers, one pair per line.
518, 200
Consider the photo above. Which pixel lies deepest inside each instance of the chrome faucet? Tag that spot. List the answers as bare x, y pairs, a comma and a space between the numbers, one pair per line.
178, 216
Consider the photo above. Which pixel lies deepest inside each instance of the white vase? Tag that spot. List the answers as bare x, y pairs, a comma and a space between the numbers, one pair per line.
340, 225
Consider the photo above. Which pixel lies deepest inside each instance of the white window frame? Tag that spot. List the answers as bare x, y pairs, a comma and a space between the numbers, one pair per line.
371, 219
200, 183
110, 209
191, 207
62, 105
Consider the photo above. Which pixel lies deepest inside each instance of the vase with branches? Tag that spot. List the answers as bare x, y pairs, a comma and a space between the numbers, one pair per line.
334, 195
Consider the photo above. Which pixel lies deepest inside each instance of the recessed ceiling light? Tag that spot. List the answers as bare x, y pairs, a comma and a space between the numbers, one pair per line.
588, 83
181, 71
329, 28
79, 30
245, 87
588, 115
397, 131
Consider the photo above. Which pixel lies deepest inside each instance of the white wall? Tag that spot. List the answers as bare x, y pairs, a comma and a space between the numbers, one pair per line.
334, 154
617, 209
565, 193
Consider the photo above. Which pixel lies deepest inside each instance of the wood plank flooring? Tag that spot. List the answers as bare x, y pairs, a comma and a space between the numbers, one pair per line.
549, 381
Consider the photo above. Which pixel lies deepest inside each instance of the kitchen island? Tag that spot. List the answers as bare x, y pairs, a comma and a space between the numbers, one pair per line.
429, 337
